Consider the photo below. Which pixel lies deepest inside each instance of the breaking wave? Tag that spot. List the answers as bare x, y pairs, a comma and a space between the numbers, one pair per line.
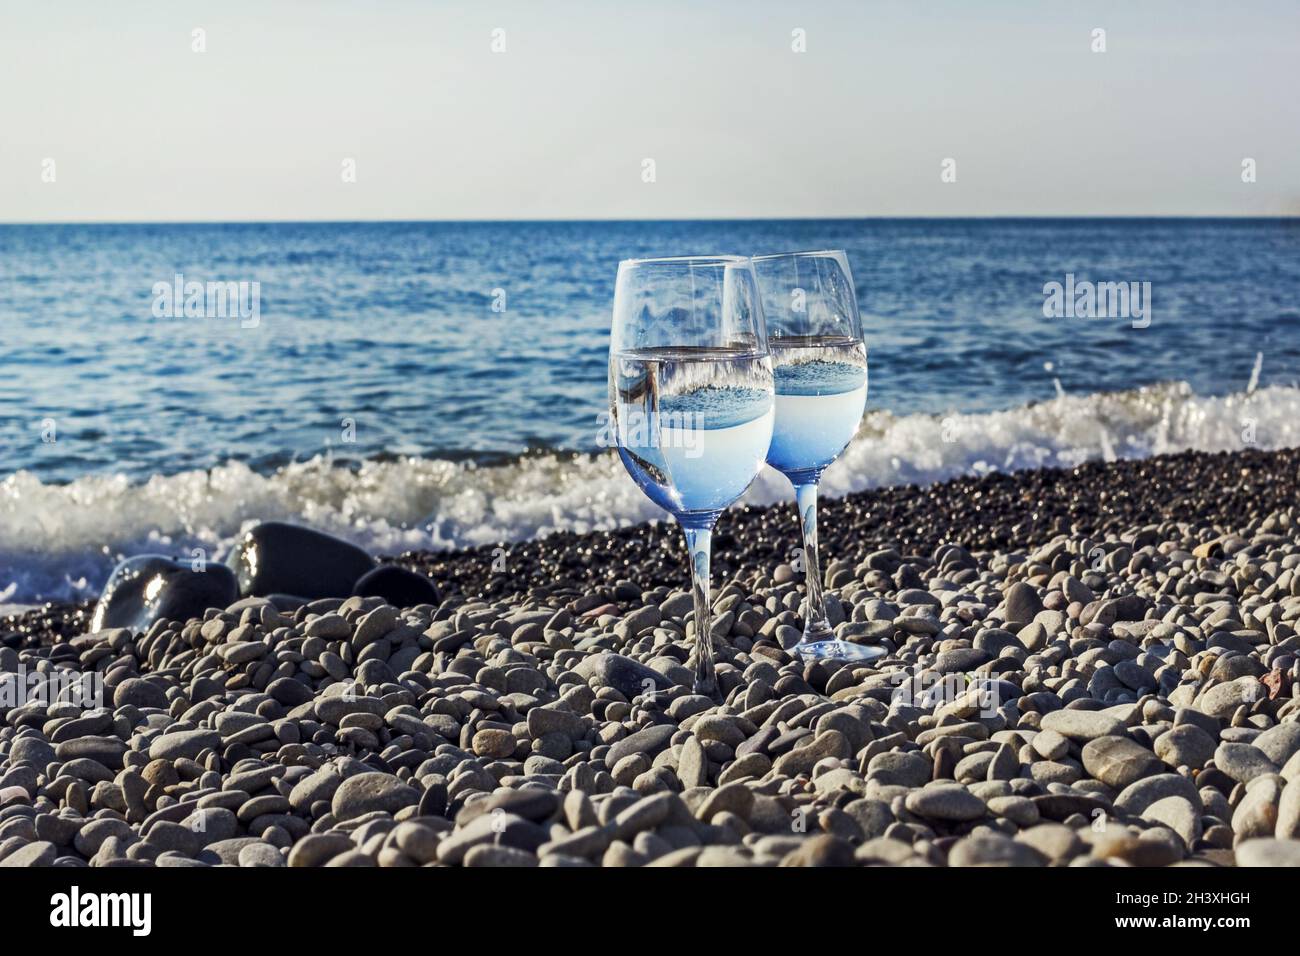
60, 541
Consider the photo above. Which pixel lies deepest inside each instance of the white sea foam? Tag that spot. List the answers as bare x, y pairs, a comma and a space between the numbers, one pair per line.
60, 541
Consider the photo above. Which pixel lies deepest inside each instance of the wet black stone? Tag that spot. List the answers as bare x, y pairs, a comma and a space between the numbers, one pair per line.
630, 678
434, 801
398, 586
151, 587
279, 558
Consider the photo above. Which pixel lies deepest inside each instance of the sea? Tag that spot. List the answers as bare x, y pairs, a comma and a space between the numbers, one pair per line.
443, 384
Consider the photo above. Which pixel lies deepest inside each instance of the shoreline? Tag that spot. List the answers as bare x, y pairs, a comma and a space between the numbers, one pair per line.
57, 541
1207, 485
1118, 638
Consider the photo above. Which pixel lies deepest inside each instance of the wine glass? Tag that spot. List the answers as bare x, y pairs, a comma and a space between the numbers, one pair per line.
690, 399
819, 362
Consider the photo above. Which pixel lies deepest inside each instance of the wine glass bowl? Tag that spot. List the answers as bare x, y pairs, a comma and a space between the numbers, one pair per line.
691, 399
819, 364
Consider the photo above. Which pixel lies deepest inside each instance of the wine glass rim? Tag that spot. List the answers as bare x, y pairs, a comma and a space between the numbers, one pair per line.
796, 255
679, 260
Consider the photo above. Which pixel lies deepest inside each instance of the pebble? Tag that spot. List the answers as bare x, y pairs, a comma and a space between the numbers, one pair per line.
629, 677
1185, 746
493, 856
1136, 797
548, 719
993, 850
1082, 725
1288, 812
1257, 813
148, 588
36, 853
1022, 602
1268, 852
822, 850
1279, 744
1179, 815
1050, 745
1243, 762
648, 741
948, 803
371, 792
495, 744
900, 768
183, 744
1054, 841
1019, 810
1119, 761
260, 854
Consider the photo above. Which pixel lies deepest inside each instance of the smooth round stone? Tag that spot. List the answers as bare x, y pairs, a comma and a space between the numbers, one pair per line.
648, 741
630, 678
1082, 724
398, 586
1050, 745
993, 850
1022, 602
1179, 815
488, 855
31, 749
260, 854
1055, 841
555, 720
153, 587
1136, 797
1257, 814
317, 849
960, 660
370, 792
495, 744
1119, 761
900, 768
1019, 810
1279, 744
1186, 745
822, 850
183, 744
1288, 811
1268, 852
946, 802
1222, 700
278, 558
1137, 851
138, 692
38, 853
1243, 762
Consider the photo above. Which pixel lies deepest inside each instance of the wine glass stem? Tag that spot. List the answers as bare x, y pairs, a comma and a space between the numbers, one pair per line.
816, 626
698, 543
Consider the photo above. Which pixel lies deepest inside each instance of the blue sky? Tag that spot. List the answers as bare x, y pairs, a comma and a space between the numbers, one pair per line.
560, 124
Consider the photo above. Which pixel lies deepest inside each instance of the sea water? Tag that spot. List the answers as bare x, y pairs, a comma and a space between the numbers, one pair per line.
691, 425
821, 393
438, 385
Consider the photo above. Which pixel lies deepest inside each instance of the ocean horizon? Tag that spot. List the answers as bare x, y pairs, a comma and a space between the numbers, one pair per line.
443, 384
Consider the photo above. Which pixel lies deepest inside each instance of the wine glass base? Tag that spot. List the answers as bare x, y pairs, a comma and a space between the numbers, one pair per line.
832, 650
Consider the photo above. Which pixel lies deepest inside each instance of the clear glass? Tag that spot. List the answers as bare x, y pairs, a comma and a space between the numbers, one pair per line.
819, 362
690, 400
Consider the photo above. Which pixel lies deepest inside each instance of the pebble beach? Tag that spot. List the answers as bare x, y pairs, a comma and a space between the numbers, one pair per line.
1087, 667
